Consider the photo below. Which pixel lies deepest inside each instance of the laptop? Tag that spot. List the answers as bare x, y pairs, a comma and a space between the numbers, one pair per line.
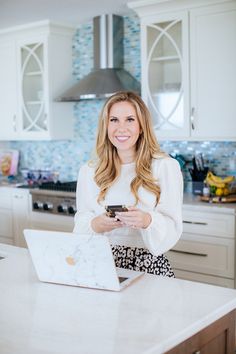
79, 260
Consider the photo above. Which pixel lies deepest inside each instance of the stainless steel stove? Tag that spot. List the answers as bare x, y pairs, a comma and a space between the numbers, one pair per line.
55, 198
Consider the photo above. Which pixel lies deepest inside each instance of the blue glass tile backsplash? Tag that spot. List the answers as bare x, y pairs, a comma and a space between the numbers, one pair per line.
67, 156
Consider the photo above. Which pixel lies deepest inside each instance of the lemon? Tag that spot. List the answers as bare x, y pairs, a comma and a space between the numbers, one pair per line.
226, 191
219, 191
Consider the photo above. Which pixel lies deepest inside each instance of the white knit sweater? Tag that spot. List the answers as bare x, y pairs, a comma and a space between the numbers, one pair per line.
166, 225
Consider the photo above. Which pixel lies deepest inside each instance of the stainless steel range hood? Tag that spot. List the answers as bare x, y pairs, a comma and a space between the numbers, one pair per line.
108, 75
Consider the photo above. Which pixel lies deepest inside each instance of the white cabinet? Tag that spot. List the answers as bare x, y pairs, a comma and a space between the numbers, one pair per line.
165, 72
21, 209
213, 57
35, 67
8, 88
41, 221
188, 59
14, 215
206, 249
6, 216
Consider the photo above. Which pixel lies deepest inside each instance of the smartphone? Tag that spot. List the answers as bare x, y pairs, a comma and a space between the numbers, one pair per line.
111, 209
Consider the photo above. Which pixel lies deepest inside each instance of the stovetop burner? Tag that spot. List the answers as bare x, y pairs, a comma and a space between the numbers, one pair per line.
59, 186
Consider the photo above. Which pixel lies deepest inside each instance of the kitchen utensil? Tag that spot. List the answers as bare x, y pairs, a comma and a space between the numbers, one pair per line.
199, 162
199, 171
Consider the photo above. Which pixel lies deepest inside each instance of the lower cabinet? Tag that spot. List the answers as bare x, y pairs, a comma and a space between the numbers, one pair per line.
206, 249
218, 338
6, 217
41, 221
16, 215
20, 207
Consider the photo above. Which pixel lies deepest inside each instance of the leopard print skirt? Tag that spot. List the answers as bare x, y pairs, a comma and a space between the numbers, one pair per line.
140, 259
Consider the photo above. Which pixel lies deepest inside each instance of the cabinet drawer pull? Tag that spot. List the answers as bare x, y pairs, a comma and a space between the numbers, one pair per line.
190, 253
194, 222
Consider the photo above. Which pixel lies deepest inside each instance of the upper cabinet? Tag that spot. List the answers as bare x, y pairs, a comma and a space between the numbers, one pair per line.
165, 73
35, 67
188, 65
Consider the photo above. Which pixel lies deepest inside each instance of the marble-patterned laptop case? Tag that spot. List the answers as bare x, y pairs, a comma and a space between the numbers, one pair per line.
67, 258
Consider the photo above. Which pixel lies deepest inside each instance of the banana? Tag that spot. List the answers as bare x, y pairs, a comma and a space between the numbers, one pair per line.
214, 177
228, 179
217, 181
211, 181
215, 184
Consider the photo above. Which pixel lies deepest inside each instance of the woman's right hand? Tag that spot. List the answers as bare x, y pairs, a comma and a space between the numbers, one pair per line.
103, 223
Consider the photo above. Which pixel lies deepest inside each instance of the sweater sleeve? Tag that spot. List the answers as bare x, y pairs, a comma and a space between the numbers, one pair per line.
166, 225
84, 213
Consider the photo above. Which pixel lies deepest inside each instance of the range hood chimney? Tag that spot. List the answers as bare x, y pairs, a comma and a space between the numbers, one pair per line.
108, 75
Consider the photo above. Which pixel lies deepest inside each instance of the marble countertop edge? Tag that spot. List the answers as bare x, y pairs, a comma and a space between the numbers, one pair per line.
191, 330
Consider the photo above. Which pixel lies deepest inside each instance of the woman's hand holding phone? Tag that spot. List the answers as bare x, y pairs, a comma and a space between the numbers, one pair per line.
134, 218
104, 223
118, 216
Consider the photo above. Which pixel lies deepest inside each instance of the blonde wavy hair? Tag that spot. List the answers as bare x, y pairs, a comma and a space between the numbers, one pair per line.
108, 163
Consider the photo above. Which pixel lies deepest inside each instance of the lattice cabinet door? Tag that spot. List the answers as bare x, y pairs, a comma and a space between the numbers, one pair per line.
165, 73
32, 79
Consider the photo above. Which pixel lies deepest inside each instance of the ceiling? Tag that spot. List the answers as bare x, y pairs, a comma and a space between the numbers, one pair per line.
75, 12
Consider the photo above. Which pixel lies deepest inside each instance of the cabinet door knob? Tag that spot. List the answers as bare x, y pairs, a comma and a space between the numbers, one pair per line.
197, 352
192, 118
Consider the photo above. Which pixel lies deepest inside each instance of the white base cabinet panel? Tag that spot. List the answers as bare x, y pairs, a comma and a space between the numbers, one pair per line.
42, 221
215, 224
6, 216
6, 227
207, 255
206, 249
20, 206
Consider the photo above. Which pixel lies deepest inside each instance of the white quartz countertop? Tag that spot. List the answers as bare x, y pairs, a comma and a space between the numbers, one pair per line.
152, 315
191, 201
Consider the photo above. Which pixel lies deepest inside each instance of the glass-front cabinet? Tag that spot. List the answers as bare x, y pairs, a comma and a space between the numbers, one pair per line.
32, 108
165, 73
35, 68
188, 52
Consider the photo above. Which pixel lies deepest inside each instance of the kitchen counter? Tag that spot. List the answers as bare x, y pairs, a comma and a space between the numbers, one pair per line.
193, 201
152, 315
189, 200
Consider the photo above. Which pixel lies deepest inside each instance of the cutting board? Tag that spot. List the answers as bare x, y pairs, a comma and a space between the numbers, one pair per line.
224, 199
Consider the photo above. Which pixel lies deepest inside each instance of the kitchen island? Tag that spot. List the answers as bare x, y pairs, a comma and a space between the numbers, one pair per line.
152, 315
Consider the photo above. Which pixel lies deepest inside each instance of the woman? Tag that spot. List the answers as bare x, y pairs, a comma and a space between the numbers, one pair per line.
130, 170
